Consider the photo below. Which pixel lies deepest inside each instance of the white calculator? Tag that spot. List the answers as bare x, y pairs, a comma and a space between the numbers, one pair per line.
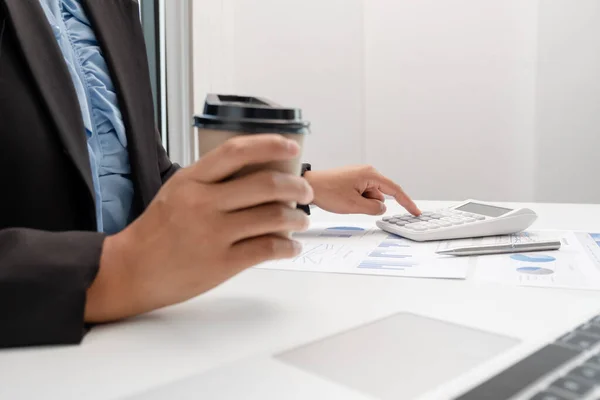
469, 219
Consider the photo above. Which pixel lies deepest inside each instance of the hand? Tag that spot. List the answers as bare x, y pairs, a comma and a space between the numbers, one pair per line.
356, 190
200, 231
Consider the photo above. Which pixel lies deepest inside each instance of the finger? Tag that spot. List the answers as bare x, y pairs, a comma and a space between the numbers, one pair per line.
250, 252
265, 219
368, 206
389, 187
239, 152
374, 194
264, 187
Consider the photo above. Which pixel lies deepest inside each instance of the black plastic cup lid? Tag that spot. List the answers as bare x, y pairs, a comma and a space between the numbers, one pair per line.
250, 115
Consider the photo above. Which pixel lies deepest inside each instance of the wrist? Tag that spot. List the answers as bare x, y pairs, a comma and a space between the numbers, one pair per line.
109, 296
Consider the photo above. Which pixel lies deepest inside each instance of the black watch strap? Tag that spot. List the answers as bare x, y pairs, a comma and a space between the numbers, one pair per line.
306, 208
306, 168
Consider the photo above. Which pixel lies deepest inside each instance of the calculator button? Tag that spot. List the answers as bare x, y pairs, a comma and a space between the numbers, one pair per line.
450, 221
456, 221
468, 220
417, 227
427, 214
401, 223
387, 219
445, 224
433, 226
479, 217
424, 219
437, 216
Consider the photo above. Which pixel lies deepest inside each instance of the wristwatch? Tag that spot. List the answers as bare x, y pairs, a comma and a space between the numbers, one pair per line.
306, 208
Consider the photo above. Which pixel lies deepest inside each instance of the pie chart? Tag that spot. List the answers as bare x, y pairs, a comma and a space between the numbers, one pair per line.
535, 271
533, 259
345, 228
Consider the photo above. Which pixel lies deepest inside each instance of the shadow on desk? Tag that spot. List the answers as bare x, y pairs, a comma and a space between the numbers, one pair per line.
196, 321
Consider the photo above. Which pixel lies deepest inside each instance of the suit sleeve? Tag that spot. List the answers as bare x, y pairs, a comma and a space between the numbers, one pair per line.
44, 277
166, 167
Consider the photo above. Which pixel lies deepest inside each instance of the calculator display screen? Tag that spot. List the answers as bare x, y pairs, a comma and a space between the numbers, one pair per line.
482, 209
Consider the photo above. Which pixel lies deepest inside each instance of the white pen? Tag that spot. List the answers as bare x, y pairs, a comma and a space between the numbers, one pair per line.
503, 248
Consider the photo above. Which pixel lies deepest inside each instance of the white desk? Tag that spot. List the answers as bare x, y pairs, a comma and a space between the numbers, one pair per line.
268, 311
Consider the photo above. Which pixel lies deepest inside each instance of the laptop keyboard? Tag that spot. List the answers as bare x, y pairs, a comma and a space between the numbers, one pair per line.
568, 369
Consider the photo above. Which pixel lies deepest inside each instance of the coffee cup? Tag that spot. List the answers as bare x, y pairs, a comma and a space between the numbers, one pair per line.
228, 116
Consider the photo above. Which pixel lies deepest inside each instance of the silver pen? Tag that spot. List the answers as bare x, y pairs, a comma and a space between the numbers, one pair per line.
504, 248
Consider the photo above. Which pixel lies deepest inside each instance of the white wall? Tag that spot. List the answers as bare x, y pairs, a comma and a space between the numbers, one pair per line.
450, 96
568, 102
309, 54
301, 53
492, 99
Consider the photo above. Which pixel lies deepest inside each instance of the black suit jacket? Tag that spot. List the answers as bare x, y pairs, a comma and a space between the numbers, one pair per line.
49, 247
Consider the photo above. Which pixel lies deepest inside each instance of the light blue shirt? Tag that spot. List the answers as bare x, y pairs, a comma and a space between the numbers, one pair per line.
104, 128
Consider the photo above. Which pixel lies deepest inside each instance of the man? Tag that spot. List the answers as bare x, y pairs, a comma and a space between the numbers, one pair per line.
96, 224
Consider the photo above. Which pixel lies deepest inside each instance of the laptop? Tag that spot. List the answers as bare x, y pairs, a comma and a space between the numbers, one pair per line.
411, 356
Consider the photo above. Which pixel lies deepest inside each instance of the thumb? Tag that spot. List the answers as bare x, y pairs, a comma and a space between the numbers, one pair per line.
369, 206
